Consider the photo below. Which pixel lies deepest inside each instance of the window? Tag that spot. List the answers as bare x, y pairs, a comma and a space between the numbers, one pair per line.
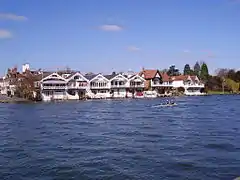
76, 77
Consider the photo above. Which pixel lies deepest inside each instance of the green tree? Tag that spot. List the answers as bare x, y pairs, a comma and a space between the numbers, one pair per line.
204, 74
187, 70
234, 86
231, 74
173, 71
197, 69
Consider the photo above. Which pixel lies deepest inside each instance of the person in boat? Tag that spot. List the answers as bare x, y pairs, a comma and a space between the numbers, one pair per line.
170, 103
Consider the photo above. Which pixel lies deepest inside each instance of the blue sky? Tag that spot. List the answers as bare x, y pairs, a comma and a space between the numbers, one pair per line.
107, 35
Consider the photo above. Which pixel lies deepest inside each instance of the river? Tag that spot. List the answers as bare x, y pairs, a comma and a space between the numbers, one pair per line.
121, 139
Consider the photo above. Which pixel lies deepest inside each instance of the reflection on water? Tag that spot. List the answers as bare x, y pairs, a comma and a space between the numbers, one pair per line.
129, 139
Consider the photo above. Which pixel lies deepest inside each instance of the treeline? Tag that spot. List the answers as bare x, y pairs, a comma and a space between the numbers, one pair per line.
224, 80
200, 70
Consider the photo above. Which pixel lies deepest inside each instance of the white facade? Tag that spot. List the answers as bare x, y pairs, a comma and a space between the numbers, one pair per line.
136, 86
4, 86
192, 85
53, 87
77, 86
56, 87
100, 87
119, 85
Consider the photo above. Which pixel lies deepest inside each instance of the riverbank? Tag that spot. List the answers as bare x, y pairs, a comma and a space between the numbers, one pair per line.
220, 93
6, 99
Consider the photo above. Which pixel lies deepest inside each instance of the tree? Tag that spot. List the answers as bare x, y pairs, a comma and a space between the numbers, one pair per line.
204, 72
187, 70
232, 85
164, 70
173, 71
231, 74
222, 72
238, 76
197, 69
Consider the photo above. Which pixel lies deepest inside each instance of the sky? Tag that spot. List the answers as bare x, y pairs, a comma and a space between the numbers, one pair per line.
107, 35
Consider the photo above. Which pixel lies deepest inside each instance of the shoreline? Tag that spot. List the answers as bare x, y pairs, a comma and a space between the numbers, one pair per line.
14, 100
221, 93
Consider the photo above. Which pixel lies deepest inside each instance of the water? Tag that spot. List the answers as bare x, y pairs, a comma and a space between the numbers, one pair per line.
130, 139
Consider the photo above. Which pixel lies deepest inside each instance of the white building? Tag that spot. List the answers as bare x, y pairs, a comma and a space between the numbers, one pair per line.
161, 83
119, 85
77, 86
25, 67
74, 86
96, 86
53, 87
191, 84
100, 86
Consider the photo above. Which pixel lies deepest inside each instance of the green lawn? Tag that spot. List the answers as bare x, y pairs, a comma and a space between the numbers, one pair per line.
218, 92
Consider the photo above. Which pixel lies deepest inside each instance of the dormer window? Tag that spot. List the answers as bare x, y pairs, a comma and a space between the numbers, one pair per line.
76, 77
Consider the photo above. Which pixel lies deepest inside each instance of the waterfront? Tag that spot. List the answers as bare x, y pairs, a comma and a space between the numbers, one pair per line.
121, 139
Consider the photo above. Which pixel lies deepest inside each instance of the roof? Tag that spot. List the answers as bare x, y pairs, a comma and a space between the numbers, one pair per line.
72, 74
90, 76
183, 78
149, 73
165, 77
110, 76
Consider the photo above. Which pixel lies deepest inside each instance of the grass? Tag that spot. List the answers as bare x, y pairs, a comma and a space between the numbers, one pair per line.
218, 92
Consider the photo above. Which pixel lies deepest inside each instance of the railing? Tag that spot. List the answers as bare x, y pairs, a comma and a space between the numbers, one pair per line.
54, 87
162, 85
77, 87
100, 87
136, 86
194, 85
119, 86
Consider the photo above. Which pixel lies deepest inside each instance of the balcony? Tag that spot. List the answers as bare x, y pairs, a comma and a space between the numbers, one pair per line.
194, 85
119, 86
54, 87
136, 86
77, 87
164, 84
99, 87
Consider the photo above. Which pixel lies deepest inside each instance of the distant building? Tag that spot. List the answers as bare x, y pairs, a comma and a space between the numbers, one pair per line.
25, 67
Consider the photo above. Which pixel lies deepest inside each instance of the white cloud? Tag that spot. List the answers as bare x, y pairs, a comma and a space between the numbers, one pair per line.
14, 17
111, 27
4, 34
133, 48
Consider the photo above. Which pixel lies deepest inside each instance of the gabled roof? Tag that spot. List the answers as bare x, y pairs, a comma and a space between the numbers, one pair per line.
165, 77
99, 75
149, 73
54, 74
109, 77
136, 76
90, 76
179, 78
113, 76
184, 78
194, 78
75, 74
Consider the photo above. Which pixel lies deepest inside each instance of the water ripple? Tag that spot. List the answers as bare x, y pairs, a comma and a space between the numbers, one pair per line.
122, 139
